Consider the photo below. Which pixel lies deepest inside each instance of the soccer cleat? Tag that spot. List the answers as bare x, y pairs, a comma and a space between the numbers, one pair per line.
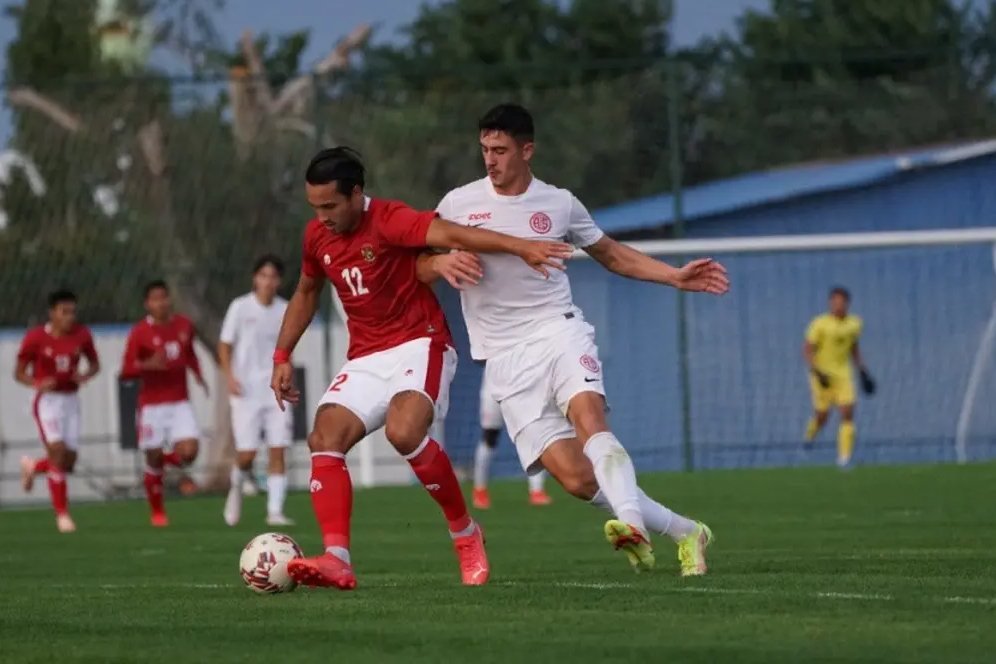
159, 520
632, 542
691, 551
233, 507
278, 520
482, 499
64, 523
474, 568
27, 473
539, 498
324, 571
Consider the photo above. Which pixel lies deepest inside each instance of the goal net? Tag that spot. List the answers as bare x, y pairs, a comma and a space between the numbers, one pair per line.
720, 382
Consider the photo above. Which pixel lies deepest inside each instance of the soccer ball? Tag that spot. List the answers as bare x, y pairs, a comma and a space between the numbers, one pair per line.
263, 563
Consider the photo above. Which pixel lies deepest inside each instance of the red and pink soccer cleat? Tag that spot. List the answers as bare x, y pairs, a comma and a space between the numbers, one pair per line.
481, 499
324, 571
159, 520
474, 568
539, 498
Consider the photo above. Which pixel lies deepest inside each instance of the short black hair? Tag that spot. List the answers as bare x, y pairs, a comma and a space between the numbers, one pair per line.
155, 284
269, 259
840, 290
341, 165
511, 119
60, 296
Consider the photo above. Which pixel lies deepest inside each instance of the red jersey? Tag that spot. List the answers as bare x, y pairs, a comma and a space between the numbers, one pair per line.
373, 270
57, 357
174, 339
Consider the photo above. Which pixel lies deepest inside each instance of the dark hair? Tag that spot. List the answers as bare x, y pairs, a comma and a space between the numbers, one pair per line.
840, 290
510, 119
340, 165
155, 285
269, 259
60, 296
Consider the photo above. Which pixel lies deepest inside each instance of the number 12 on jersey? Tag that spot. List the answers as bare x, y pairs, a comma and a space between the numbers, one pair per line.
354, 279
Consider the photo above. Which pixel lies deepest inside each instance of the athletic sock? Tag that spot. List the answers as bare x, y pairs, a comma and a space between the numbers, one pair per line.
58, 491
482, 464
332, 499
173, 459
42, 466
536, 482
812, 428
235, 478
616, 477
276, 492
153, 481
845, 442
433, 468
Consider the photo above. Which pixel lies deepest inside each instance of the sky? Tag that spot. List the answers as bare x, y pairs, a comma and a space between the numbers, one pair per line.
329, 20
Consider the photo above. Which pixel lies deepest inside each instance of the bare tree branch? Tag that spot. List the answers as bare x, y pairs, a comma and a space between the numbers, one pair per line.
29, 98
257, 71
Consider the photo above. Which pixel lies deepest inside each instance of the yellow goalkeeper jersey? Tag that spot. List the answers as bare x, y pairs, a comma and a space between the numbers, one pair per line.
833, 340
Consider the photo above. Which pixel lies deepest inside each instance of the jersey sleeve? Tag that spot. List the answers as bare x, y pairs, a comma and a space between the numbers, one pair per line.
230, 326
190, 354
859, 325
402, 226
310, 267
129, 364
29, 348
814, 332
87, 347
445, 208
582, 231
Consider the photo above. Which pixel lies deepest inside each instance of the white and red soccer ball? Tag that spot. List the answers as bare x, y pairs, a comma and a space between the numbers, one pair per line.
263, 563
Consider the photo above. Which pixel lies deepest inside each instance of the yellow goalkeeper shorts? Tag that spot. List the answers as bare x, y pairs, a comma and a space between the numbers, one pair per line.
839, 393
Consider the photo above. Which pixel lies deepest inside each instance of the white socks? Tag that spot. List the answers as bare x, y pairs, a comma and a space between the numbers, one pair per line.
236, 478
536, 482
339, 552
482, 464
616, 477
276, 492
658, 518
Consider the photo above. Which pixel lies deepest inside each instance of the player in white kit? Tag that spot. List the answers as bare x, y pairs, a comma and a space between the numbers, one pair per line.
541, 359
248, 336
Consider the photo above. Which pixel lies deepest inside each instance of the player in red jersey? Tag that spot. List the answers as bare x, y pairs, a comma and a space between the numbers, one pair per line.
48, 362
400, 358
160, 350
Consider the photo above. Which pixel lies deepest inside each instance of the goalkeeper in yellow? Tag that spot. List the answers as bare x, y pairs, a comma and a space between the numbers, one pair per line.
830, 350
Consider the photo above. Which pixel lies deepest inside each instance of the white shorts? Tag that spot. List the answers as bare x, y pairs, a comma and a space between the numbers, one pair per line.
57, 415
366, 385
166, 423
253, 417
534, 382
490, 410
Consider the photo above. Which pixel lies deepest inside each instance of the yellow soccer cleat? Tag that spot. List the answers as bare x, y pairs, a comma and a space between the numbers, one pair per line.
632, 542
691, 551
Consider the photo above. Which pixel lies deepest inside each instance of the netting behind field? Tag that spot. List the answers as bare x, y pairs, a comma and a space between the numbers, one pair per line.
925, 312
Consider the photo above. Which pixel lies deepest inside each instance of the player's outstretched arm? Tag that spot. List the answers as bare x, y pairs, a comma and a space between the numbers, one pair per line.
538, 254
459, 268
300, 310
703, 275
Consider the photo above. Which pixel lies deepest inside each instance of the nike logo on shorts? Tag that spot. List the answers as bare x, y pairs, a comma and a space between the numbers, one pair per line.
592, 380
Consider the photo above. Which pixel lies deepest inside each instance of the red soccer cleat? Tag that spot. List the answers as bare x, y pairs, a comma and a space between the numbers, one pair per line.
159, 520
474, 568
324, 571
481, 499
539, 498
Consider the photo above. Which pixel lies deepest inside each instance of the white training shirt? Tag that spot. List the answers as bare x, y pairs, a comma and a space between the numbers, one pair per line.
514, 303
251, 328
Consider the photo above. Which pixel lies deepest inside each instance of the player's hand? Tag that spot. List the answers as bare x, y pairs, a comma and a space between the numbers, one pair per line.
542, 254
282, 384
45, 384
80, 379
458, 268
867, 382
234, 387
704, 275
821, 378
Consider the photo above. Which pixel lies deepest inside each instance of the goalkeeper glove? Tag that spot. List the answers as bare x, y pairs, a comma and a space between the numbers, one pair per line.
822, 378
867, 383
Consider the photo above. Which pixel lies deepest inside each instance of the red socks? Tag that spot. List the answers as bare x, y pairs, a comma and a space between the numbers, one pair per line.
331, 498
173, 459
154, 490
42, 466
57, 489
433, 468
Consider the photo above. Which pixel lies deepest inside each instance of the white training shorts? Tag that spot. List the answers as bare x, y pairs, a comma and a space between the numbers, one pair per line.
165, 424
535, 381
367, 384
57, 415
256, 419
490, 410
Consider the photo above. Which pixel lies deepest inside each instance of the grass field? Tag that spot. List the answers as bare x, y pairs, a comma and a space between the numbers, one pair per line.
880, 564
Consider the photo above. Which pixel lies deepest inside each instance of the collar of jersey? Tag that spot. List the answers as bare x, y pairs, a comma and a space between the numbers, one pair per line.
490, 188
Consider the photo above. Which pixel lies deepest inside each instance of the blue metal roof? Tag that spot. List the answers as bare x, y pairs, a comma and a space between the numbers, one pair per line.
767, 187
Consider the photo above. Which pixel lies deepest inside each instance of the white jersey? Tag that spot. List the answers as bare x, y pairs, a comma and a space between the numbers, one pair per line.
513, 302
252, 328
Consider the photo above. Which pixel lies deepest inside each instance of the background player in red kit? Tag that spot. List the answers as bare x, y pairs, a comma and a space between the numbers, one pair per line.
48, 361
400, 358
160, 350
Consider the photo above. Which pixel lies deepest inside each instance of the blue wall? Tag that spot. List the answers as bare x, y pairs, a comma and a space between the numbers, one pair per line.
924, 309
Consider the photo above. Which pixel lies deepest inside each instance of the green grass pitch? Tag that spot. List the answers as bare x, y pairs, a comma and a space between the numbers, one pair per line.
880, 564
